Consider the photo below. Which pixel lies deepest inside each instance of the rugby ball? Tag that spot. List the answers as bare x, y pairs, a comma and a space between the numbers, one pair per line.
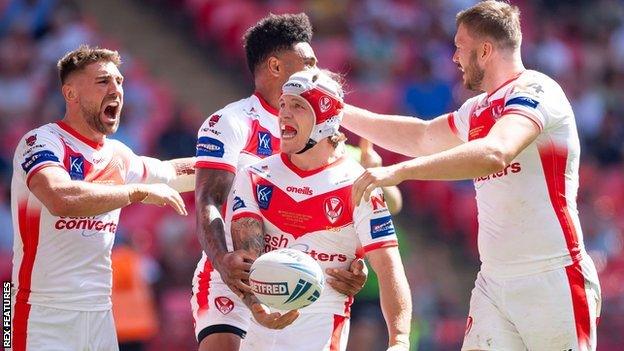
286, 279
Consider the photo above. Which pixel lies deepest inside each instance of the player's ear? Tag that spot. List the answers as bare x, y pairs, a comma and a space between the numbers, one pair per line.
274, 66
69, 92
486, 50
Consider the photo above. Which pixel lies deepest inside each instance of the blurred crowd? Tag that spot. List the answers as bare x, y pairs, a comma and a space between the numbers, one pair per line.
397, 58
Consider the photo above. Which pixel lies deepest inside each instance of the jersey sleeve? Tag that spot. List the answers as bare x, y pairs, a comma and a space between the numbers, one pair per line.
527, 99
220, 140
242, 200
373, 223
36, 150
459, 120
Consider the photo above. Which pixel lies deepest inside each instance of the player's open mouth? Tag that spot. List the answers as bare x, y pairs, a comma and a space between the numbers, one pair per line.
288, 132
111, 110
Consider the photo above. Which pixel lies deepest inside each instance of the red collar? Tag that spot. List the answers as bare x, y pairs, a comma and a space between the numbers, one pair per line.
506, 82
270, 109
93, 144
306, 173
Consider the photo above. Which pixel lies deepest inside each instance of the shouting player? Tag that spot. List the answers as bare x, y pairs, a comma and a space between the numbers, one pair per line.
240, 133
537, 288
301, 199
69, 183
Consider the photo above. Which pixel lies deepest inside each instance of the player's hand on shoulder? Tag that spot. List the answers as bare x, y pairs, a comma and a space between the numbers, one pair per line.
274, 320
372, 178
348, 282
159, 195
234, 269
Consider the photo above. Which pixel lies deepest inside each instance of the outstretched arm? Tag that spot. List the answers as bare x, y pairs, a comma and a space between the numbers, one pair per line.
63, 196
409, 136
395, 296
493, 153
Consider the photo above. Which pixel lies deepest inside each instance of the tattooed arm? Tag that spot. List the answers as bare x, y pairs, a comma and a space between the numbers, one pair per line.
213, 185
248, 236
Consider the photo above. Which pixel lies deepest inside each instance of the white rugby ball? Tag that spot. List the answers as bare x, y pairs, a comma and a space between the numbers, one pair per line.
286, 279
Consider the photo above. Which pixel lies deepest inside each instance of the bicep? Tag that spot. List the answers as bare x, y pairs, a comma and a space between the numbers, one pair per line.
512, 133
439, 136
44, 184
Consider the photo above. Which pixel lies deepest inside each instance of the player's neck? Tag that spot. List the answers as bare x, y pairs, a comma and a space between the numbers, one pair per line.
318, 156
269, 91
502, 72
77, 122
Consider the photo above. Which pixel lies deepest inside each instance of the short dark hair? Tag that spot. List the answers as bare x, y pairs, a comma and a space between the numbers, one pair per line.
274, 33
497, 20
85, 55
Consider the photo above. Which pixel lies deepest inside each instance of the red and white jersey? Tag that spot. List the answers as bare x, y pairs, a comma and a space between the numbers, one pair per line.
312, 211
64, 262
237, 135
528, 219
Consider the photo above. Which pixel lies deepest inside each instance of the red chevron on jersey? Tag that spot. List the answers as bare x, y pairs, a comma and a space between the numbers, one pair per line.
310, 210
482, 120
299, 218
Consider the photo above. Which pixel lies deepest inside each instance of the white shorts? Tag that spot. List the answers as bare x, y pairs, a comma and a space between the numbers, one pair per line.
555, 310
45, 328
216, 309
309, 332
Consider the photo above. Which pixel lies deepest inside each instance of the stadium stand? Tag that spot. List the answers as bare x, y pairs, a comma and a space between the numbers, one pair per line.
396, 54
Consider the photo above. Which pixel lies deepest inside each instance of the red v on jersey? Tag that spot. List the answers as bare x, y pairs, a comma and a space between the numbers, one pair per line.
302, 217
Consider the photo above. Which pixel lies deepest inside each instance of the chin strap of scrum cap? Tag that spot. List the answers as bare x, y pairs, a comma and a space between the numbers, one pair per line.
310, 144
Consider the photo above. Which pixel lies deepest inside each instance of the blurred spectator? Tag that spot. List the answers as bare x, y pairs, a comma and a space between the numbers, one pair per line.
133, 303
179, 137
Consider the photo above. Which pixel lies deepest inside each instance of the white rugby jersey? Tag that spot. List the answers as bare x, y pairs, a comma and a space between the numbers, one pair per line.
528, 219
64, 262
312, 211
239, 134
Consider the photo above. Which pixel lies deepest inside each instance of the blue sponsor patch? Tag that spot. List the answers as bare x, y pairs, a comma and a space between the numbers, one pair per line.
76, 167
264, 144
522, 101
237, 203
207, 146
41, 156
381, 226
263, 194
